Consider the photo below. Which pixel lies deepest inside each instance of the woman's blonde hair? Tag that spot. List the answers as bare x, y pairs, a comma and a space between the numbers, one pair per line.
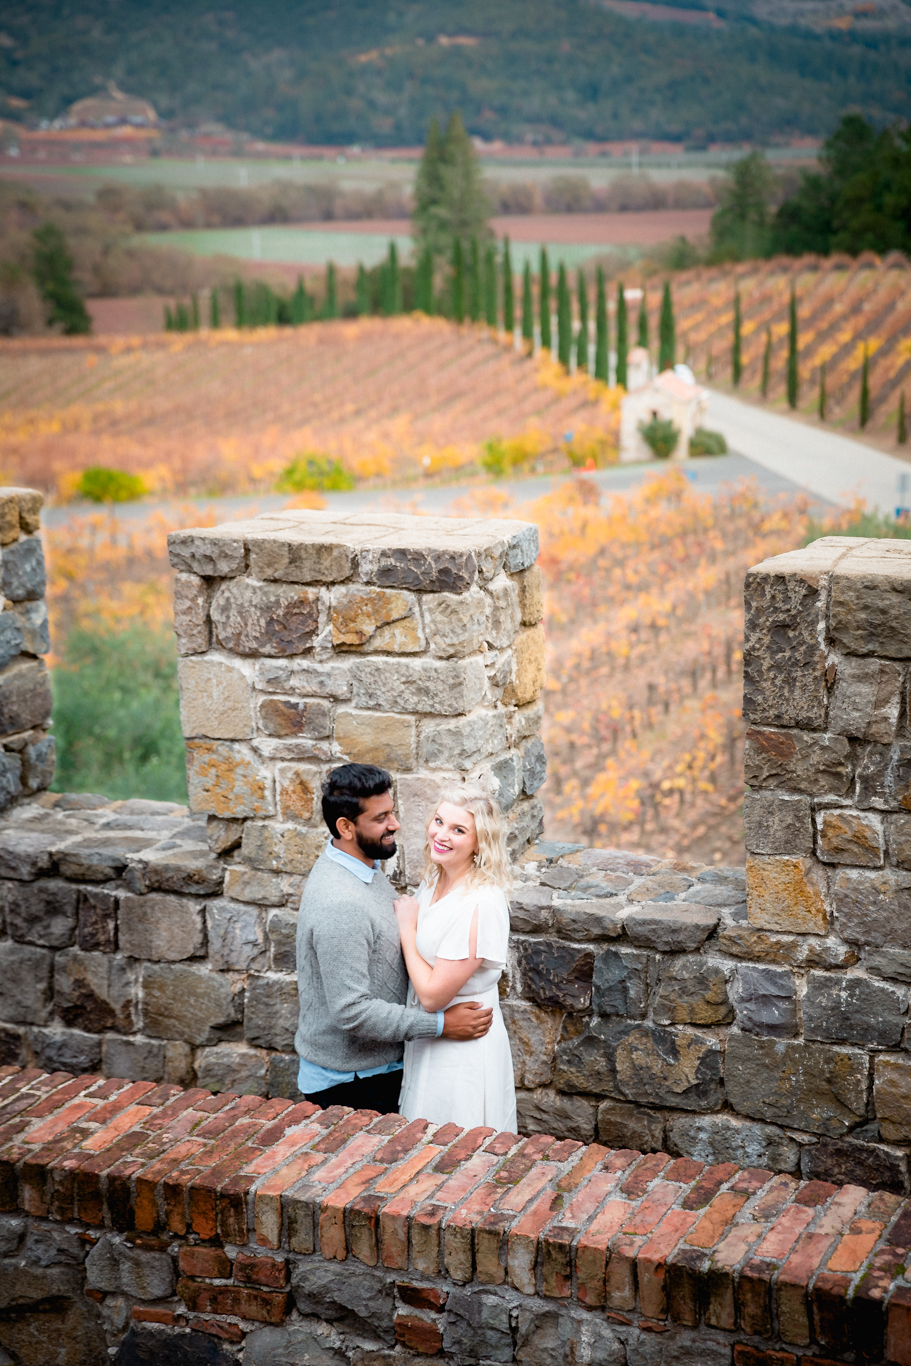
491, 865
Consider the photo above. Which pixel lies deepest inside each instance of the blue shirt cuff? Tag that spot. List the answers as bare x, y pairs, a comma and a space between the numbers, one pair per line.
440, 1021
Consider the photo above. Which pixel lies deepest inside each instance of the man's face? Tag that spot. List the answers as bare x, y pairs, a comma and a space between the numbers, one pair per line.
375, 827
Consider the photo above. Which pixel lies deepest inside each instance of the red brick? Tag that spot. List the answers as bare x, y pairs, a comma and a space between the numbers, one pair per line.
203, 1193
262, 1306
522, 1243
490, 1246
241, 1112
231, 1204
815, 1193
270, 1272
130, 1118
447, 1133
420, 1335
830, 1309
501, 1143
592, 1251
563, 1151
719, 1286
399, 1146
352, 1124
898, 1330
644, 1173
60, 1095
856, 1246
791, 1291
363, 1227
163, 1092
218, 1328
398, 1177
716, 1218
883, 1205
684, 1170
556, 1261
583, 1168
653, 1207
841, 1209
297, 1115
274, 1107
131, 1096
267, 1202
394, 1225
146, 1207
333, 1114
758, 1356
272, 1158
708, 1185
426, 1226
464, 1179
652, 1258
421, 1296
56, 1125
332, 1212
142, 1314
773, 1200
620, 1159
211, 1262
184, 1100
620, 1280
351, 1154
751, 1179
457, 1235
530, 1185
387, 1125
753, 1297
785, 1231
462, 1149
866, 1314
684, 1284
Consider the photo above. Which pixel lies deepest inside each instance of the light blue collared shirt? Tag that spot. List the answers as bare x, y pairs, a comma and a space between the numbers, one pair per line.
311, 1077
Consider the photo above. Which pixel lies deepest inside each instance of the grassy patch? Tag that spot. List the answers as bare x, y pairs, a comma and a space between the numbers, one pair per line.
860, 523
116, 715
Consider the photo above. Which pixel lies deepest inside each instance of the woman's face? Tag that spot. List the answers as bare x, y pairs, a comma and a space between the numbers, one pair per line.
452, 836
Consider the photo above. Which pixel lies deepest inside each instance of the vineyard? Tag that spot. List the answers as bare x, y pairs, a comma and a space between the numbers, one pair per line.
226, 411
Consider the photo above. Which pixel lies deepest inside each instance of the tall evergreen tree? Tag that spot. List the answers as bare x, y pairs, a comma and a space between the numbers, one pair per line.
423, 283
490, 287
602, 340
622, 339
509, 297
214, 308
52, 269
393, 282
865, 389
564, 319
821, 405
766, 363
168, 319
458, 280
194, 311
544, 301
240, 304
474, 282
362, 291
642, 335
430, 228
793, 378
902, 432
528, 310
582, 339
667, 332
331, 305
467, 212
737, 344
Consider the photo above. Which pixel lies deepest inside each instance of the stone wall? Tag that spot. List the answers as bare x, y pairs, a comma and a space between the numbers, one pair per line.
143, 1223
26, 749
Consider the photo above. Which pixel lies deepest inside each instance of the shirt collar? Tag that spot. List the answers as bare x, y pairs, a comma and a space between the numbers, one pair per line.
354, 865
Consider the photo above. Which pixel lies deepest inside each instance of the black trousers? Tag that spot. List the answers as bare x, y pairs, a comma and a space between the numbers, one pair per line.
364, 1093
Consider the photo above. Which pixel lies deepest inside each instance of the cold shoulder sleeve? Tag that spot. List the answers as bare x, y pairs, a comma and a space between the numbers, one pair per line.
493, 928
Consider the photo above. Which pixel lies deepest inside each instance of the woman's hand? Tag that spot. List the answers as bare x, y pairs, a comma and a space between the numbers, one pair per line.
406, 913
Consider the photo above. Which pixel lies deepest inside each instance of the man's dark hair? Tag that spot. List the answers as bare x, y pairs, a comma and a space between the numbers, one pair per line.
347, 788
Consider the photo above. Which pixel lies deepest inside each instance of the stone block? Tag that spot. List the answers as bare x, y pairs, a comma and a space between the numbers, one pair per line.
892, 1097
369, 737
25, 695
10, 778
525, 825
11, 1050
534, 765
33, 621
522, 545
461, 743
48, 1246
295, 791
291, 1344
810, 1086
724, 1138
164, 929
265, 618
642, 1063
795, 761
717, 894
94, 991
765, 1001
691, 991
296, 558
503, 611
845, 1008
587, 919
621, 1125
866, 700
355, 1295
845, 1162
212, 552
621, 982
65, 1050
292, 716
30, 501
9, 518
190, 869
873, 908
247, 884
226, 780
22, 573
232, 1067
137, 1059
784, 681
10, 637
39, 761
375, 619
527, 680
845, 836
223, 835
555, 974
786, 894
97, 924
282, 935
281, 848
98, 858
671, 927
303, 677
525, 722
505, 776
530, 585
499, 666
188, 1003
282, 1075
660, 887
442, 687
533, 1035
892, 963
543, 1111
215, 699
25, 983
41, 912
547, 1338
530, 909
898, 839
456, 623
870, 601
271, 1009
114, 1265
191, 614
236, 936
427, 569
884, 777
775, 823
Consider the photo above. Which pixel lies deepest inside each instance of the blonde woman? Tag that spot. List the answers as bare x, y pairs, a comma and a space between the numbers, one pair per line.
455, 938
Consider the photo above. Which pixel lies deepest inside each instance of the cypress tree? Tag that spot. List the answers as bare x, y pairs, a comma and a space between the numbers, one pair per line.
214, 308
821, 405
792, 351
240, 311
766, 363
544, 301
429, 220
564, 319
582, 339
601, 331
474, 282
490, 287
737, 346
458, 281
362, 293
52, 269
183, 318
642, 337
194, 311
423, 283
168, 319
331, 306
393, 282
622, 341
509, 301
865, 389
902, 421
465, 210
667, 339
528, 310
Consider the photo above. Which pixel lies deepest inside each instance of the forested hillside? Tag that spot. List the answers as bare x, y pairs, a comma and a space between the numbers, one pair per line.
355, 71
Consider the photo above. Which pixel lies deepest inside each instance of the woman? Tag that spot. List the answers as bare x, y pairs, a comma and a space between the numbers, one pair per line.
455, 938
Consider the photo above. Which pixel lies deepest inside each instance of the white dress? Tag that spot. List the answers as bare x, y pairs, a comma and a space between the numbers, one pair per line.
468, 1083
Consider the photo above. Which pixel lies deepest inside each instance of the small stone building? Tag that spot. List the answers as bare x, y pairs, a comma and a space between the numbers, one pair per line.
668, 395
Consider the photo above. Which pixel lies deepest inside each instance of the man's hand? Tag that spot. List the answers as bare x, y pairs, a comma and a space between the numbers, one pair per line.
406, 912
469, 1020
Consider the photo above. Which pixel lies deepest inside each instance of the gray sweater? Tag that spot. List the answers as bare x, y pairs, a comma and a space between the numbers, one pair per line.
351, 976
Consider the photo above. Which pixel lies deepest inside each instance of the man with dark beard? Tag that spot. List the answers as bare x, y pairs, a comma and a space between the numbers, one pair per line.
351, 975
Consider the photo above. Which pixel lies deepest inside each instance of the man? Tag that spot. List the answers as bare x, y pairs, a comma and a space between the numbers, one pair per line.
351, 975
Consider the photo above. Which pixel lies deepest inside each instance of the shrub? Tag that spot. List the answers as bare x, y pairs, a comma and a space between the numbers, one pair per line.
312, 471
660, 435
102, 485
589, 447
704, 442
502, 457
117, 716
